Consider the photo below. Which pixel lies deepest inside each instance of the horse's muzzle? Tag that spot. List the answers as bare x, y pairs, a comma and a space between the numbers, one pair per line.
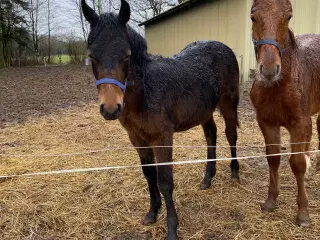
269, 73
109, 114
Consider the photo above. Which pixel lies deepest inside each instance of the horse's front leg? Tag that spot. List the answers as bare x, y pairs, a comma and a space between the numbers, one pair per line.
147, 157
272, 136
299, 164
165, 182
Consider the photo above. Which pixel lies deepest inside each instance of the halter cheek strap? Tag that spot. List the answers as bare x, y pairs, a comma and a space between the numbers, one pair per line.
114, 82
266, 42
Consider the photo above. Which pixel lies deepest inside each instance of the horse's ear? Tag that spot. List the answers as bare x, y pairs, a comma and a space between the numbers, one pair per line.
88, 13
124, 13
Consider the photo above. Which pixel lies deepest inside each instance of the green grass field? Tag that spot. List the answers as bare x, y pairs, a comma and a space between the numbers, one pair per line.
64, 59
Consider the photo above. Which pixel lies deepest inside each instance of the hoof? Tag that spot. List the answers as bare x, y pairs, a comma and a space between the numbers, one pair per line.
303, 219
268, 206
235, 176
149, 218
301, 223
205, 184
172, 236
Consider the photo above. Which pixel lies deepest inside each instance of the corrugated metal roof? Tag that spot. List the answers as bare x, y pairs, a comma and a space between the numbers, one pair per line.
181, 7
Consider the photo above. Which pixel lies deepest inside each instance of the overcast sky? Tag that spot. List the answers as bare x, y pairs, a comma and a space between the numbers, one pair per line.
66, 17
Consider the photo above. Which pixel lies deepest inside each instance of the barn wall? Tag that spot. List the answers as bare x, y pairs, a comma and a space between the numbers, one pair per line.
227, 21
203, 22
306, 16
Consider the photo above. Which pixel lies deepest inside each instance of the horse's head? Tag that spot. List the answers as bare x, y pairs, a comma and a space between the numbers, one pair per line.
109, 50
270, 26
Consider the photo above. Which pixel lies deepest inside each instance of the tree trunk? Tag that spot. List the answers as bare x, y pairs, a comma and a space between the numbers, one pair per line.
100, 7
84, 33
49, 36
5, 52
94, 5
34, 16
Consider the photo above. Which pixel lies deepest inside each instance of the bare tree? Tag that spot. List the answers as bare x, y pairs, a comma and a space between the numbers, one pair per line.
84, 26
94, 5
49, 33
35, 9
77, 12
141, 10
99, 7
146, 9
13, 31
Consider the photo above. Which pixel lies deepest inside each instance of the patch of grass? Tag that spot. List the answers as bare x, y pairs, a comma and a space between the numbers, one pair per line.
64, 59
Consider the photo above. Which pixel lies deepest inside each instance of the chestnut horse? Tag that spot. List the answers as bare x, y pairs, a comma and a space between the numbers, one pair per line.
286, 92
168, 95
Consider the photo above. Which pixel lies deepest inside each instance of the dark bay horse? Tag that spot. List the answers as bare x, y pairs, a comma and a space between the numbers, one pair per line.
286, 92
153, 97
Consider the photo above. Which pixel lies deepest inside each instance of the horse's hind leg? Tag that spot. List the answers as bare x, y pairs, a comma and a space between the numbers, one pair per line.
307, 146
147, 157
318, 154
210, 132
229, 112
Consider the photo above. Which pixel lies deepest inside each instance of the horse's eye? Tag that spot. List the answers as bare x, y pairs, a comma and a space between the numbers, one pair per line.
253, 19
127, 57
289, 18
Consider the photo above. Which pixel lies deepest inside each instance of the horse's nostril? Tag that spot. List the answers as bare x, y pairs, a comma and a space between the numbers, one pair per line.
278, 69
261, 68
119, 107
101, 108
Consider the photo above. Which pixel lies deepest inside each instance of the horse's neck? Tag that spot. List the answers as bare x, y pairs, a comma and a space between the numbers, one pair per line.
134, 96
289, 61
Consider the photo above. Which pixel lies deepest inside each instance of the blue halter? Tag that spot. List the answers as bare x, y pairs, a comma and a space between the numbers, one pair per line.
114, 82
266, 42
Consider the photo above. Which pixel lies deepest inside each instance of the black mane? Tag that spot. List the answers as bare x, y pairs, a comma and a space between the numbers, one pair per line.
139, 52
138, 44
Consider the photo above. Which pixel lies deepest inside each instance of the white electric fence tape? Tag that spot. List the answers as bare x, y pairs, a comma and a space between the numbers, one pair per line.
148, 165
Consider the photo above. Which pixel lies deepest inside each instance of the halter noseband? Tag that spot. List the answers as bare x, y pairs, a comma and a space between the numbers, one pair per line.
114, 82
266, 42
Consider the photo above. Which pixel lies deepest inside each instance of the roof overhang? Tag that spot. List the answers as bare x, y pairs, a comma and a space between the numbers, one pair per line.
179, 8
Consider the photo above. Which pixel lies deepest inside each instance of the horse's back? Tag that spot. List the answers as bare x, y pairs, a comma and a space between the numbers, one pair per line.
214, 49
215, 56
199, 62
309, 58
309, 43
309, 46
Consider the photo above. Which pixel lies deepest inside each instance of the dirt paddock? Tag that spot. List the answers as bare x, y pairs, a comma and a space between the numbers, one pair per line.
53, 110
